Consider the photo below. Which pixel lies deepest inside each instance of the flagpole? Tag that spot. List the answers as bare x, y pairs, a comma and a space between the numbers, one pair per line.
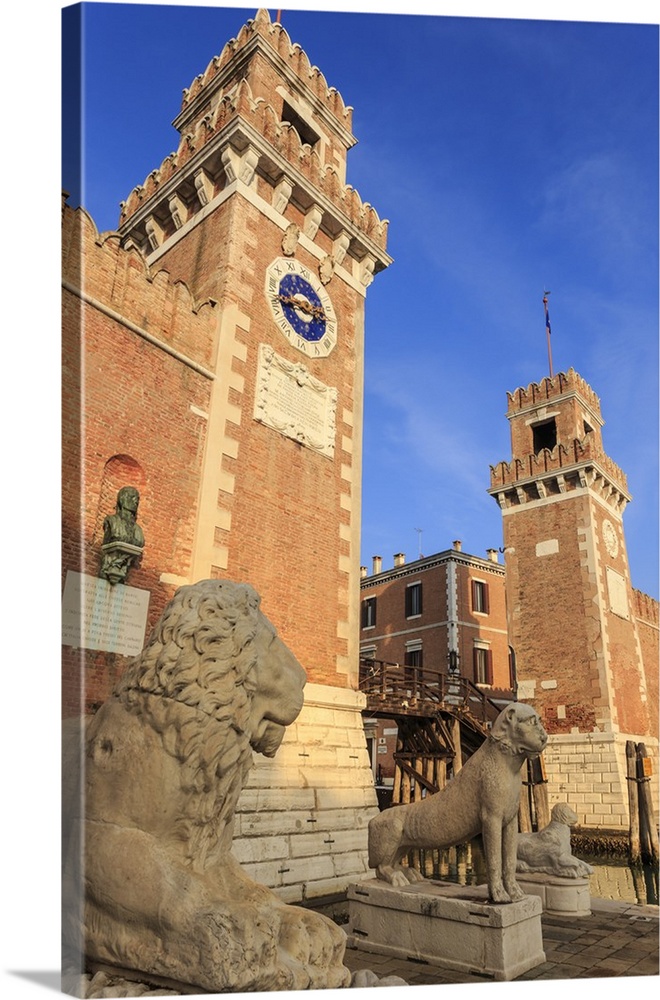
547, 330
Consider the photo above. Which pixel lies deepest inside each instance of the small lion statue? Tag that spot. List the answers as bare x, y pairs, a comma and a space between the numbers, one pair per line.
482, 798
549, 850
165, 760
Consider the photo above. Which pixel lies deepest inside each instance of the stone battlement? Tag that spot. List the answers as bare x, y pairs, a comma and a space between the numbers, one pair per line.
551, 388
120, 281
291, 52
284, 138
262, 114
645, 607
555, 459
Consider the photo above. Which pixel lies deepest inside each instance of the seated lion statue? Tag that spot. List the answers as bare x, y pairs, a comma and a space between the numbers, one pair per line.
549, 850
165, 760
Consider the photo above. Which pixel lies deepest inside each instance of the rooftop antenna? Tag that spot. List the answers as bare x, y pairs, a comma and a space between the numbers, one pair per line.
420, 532
278, 19
547, 330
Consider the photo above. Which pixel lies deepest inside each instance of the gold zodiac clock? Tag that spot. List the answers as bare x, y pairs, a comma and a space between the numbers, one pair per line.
301, 307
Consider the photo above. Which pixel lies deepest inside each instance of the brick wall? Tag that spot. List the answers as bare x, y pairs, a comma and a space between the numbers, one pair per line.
129, 409
645, 611
286, 504
554, 625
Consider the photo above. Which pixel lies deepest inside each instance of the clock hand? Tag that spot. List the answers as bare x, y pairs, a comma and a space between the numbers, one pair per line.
317, 312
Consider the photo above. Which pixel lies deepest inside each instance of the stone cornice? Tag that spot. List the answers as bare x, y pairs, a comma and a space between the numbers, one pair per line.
559, 483
239, 135
430, 562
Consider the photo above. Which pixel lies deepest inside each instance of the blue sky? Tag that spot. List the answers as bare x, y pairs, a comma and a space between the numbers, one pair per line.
510, 156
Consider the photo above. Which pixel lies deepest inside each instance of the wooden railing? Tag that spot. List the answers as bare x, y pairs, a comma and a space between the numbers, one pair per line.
409, 687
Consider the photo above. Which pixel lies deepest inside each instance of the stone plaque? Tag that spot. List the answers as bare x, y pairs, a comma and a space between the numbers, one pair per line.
548, 547
290, 400
617, 593
98, 615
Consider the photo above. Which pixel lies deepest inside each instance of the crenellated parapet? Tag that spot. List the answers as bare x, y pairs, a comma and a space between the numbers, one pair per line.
291, 53
550, 389
645, 608
261, 116
552, 460
118, 281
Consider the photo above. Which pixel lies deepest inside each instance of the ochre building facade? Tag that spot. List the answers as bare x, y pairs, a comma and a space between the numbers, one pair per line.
213, 359
438, 613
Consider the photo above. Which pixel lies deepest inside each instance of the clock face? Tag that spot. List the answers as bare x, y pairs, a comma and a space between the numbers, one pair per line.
301, 307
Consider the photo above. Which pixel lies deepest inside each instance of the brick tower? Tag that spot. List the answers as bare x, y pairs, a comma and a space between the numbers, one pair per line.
575, 622
241, 267
252, 211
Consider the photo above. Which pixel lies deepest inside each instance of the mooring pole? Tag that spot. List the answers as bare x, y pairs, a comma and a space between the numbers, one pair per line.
633, 803
648, 826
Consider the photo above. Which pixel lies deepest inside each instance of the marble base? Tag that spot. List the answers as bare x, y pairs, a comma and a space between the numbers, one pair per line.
560, 897
447, 925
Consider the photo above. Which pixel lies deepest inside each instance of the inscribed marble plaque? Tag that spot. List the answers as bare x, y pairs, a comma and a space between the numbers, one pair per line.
617, 593
290, 400
98, 615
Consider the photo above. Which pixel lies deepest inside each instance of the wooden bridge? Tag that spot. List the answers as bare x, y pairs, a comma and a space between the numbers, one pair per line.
441, 719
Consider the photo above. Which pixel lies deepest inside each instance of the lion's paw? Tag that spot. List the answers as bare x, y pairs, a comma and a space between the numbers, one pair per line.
498, 894
316, 944
515, 892
413, 875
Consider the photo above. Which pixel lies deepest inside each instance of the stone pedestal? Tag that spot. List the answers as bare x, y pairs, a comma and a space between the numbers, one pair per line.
447, 925
560, 897
302, 818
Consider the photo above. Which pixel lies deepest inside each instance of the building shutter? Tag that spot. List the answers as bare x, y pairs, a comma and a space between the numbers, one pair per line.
489, 667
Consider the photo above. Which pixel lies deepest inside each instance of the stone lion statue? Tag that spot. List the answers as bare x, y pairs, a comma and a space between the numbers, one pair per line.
549, 850
482, 798
165, 760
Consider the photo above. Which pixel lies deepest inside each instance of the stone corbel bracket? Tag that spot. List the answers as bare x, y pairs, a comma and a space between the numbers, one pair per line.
240, 166
117, 558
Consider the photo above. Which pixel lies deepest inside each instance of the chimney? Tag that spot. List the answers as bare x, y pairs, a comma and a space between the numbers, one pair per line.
399, 559
363, 572
378, 564
458, 544
492, 554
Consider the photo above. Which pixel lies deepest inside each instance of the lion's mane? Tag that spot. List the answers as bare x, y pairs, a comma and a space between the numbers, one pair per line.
193, 684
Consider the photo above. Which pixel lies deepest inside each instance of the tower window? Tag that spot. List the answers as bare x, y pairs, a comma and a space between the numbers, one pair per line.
306, 133
545, 435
